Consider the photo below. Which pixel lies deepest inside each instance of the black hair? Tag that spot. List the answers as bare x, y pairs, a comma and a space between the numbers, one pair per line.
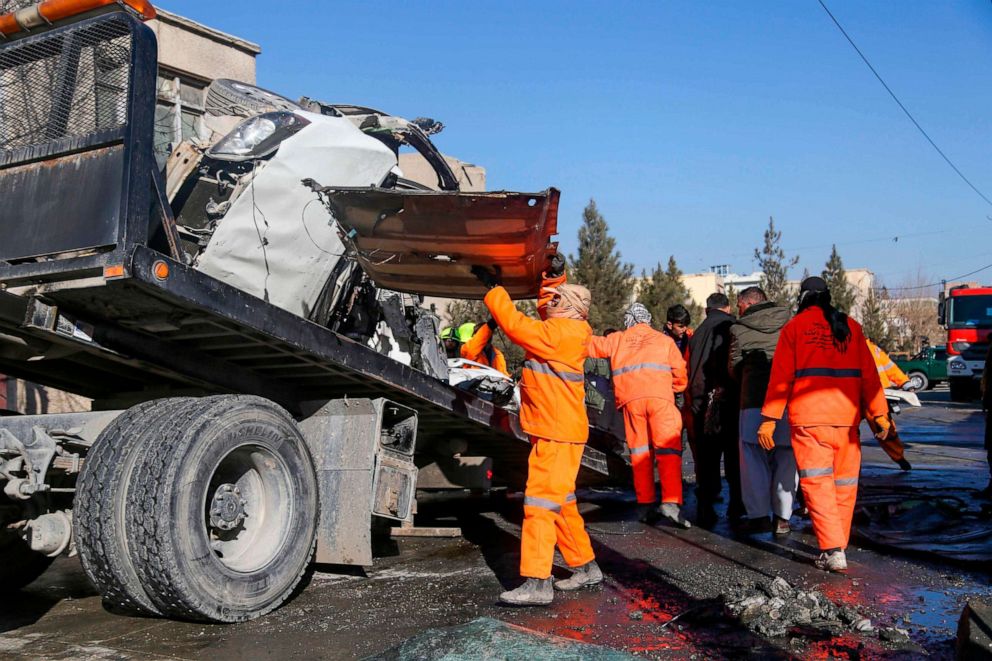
716, 301
678, 314
752, 296
837, 320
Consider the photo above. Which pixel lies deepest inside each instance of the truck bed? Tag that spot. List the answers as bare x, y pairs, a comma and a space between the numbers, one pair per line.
128, 338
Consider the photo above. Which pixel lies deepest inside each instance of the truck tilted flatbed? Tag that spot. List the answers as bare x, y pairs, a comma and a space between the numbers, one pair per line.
232, 441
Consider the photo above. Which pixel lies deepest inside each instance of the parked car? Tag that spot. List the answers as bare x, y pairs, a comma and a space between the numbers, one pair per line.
927, 368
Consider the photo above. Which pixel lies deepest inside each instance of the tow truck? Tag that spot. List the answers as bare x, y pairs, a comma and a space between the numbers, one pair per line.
233, 439
966, 313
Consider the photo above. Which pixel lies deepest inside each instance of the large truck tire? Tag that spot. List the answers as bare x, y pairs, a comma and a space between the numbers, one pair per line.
19, 565
962, 390
223, 520
101, 499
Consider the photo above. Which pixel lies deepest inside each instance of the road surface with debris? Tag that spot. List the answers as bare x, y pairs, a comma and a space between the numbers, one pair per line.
663, 598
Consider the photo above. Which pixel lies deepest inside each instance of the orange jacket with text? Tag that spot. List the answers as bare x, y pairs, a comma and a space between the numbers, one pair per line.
644, 363
888, 372
821, 384
552, 385
475, 350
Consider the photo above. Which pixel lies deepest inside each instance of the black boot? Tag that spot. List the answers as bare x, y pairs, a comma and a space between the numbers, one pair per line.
534, 592
905, 465
646, 513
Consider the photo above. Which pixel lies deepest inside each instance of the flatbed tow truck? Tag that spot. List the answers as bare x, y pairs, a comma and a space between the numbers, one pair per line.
232, 442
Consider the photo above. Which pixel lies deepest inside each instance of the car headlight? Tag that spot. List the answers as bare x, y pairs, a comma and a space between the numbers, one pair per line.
956, 366
258, 136
960, 346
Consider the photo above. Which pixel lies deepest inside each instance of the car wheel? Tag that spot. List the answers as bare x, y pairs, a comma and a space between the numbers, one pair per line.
919, 381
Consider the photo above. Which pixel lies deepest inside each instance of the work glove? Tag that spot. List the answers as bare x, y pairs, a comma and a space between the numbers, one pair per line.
491, 323
766, 434
883, 424
488, 278
908, 386
556, 266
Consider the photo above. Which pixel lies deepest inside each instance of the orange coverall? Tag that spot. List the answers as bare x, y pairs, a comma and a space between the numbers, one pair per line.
827, 390
553, 414
475, 350
647, 370
891, 377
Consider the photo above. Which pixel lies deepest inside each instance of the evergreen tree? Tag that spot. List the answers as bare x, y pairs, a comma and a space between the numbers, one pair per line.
873, 319
843, 296
599, 267
731, 292
772, 262
663, 289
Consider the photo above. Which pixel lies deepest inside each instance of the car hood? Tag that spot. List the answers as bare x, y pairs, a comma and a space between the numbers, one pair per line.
426, 242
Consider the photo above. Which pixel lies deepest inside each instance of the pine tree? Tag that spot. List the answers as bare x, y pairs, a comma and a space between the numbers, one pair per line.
599, 267
663, 289
843, 296
873, 319
772, 262
732, 297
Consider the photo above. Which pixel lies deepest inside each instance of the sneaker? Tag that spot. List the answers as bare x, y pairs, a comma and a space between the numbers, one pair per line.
905, 465
534, 592
585, 576
835, 561
673, 513
647, 513
782, 526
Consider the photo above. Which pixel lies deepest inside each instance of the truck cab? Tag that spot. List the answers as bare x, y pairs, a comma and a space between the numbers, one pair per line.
966, 312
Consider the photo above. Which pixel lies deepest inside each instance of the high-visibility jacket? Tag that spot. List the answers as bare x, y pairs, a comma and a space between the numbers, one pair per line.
643, 362
552, 385
821, 384
479, 350
888, 372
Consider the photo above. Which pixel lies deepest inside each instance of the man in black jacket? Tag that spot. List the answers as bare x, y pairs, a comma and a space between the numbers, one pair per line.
769, 478
713, 403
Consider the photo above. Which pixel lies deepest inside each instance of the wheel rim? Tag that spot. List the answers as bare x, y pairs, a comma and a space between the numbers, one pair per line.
248, 508
916, 382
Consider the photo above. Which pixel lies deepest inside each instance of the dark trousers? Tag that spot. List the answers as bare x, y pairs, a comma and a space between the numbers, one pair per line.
710, 449
988, 437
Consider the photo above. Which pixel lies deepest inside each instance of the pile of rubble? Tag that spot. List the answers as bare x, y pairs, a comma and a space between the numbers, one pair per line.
774, 608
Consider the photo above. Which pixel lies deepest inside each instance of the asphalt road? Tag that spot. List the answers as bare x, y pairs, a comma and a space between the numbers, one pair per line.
653, 575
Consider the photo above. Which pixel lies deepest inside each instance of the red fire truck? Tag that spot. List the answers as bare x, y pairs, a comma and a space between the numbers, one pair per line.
966, 312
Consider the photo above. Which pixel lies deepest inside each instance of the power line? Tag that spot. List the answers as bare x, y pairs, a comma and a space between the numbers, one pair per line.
935, 284
904, 109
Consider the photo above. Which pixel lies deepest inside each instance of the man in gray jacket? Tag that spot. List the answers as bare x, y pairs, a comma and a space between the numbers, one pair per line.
768, 475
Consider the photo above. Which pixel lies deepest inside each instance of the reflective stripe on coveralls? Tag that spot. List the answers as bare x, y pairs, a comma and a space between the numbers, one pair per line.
825, 406
551, 514
647, 372
891, 376
829, 460
655, 425
553, 414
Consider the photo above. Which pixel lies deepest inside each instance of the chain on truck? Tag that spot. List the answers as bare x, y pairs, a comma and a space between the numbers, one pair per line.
966, 313
266, 391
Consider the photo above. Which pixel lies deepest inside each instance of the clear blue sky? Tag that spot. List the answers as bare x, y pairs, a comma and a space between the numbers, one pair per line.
689, 122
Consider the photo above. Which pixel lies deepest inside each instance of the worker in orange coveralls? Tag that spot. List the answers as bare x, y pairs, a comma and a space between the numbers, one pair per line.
647, 370
825, 375
479, 348
553, 414
891, 377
